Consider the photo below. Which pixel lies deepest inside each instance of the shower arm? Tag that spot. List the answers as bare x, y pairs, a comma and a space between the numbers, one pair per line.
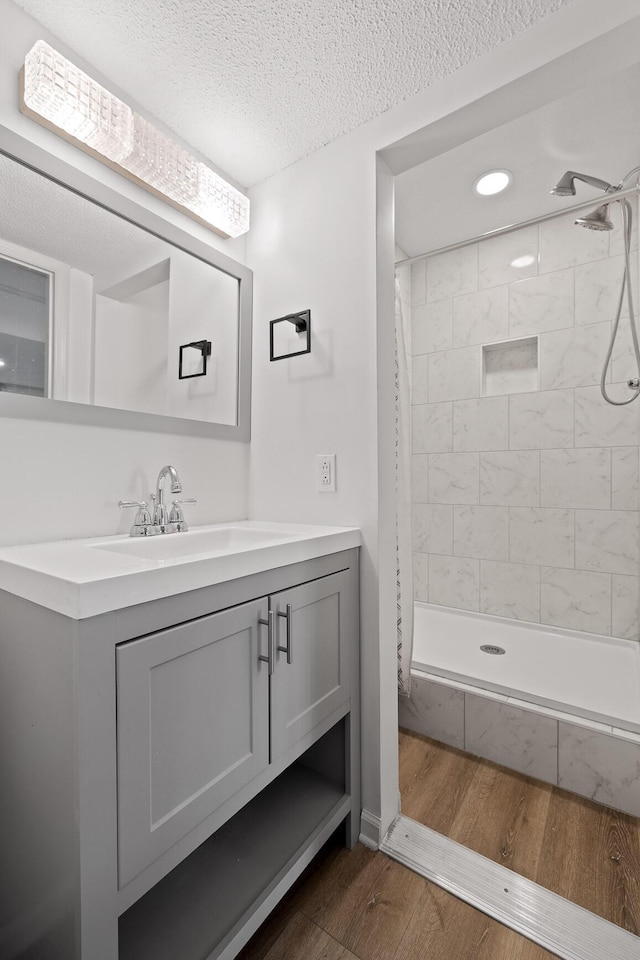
606, 188
594, 182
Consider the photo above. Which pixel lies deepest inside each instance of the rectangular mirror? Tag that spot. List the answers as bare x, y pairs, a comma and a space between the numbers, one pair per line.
98, 299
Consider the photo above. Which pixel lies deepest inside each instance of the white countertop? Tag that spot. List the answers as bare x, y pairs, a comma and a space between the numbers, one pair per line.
83, 578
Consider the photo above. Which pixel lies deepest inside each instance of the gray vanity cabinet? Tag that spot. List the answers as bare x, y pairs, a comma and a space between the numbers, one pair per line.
170, 768
192, 703
198, 708
311, 678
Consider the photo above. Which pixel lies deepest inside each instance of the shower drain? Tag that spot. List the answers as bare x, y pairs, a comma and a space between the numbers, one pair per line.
491, 648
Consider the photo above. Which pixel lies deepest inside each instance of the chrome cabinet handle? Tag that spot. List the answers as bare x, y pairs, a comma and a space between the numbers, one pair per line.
288, 616
269, 623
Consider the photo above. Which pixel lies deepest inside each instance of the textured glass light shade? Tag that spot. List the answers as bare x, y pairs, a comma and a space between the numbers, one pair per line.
63, 96
69, 99
161, 162
220, 203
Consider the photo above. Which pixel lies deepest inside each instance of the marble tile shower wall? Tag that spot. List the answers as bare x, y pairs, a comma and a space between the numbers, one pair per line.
526, 505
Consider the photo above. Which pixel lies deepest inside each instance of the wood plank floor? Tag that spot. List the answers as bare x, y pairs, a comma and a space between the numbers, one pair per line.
583, 851
359, 905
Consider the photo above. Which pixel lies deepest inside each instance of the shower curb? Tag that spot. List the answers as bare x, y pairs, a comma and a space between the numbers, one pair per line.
562, 927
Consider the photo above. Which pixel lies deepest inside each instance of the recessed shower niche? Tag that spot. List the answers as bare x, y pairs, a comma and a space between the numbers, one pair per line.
510, 367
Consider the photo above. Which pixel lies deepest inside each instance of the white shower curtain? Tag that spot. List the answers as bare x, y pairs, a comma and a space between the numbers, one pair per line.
403, 497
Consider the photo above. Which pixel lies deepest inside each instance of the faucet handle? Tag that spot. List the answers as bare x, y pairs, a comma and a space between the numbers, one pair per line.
142, 518
177, 516
142, 515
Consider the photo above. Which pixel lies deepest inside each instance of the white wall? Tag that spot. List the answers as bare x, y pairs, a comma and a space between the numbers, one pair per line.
203, 305
61, 480
130, 366
313, 244
79, 335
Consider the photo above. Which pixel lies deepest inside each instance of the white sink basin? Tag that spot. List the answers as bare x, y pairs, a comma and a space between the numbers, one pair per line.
194, 543
84, 578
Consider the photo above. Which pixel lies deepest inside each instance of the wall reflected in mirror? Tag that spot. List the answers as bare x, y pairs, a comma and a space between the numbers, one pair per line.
24, 328
94, 309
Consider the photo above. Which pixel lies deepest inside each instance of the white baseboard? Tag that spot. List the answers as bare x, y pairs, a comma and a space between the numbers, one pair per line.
370, 830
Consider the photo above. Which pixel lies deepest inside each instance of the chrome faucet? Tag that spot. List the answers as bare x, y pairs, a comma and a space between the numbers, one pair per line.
159, 519
160, 512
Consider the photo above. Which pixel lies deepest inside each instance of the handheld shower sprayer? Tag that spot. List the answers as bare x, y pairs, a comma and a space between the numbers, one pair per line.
599, 219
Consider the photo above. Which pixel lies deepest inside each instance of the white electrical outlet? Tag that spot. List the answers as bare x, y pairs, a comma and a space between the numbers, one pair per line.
326, 472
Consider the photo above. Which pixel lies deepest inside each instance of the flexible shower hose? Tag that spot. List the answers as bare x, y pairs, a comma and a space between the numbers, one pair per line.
627, 221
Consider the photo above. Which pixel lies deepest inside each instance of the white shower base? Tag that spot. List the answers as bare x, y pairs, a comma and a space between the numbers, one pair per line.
578, 673
558, 705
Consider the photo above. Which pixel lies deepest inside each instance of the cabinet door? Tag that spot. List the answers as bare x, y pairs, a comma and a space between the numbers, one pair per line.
192, 727
322, 627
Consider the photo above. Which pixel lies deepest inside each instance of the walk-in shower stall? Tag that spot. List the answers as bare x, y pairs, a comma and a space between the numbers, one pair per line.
525, 506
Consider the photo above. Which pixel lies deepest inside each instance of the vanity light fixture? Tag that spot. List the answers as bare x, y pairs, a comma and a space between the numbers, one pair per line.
494, 181
57, 94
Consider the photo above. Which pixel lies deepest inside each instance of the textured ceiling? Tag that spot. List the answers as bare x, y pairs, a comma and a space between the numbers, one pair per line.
43, 216
257, 84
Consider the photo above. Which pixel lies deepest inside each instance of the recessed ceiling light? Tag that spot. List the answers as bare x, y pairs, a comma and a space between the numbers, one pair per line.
494, 181
2, 363
524, 261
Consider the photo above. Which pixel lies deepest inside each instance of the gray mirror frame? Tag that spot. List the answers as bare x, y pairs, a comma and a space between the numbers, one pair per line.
30, 155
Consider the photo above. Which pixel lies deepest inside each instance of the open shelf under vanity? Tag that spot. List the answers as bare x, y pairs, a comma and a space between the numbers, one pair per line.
199, 909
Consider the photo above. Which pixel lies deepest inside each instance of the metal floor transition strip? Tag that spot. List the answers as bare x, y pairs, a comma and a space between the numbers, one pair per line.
551, 921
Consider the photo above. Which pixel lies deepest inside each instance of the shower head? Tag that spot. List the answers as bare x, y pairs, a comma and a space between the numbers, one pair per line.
598, 219
565, 187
